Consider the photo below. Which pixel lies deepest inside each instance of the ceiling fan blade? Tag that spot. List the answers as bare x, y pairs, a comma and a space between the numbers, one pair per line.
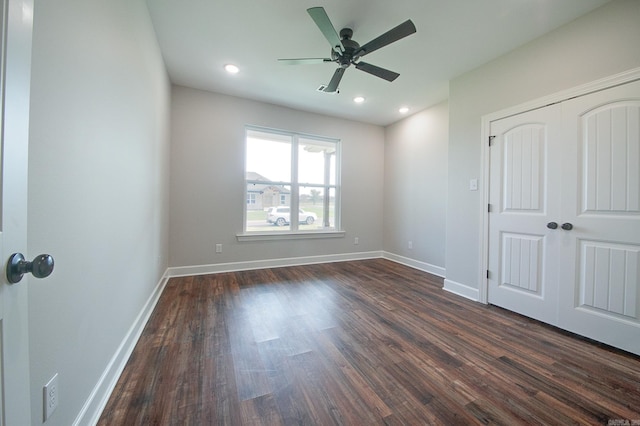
323, 22
304, 61
394, 34
377, 71
335, 81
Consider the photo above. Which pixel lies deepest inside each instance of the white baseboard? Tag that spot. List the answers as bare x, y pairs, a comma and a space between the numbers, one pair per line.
462, 290
416, 264
97, 400
181, 271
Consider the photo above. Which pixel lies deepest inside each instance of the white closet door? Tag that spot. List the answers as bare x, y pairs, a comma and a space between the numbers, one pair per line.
524, 194
600, 269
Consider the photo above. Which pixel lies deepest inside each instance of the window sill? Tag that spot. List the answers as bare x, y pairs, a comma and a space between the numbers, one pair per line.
271, 236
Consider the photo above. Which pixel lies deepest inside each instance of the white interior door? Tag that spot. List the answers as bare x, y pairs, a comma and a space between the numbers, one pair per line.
17, 20
600, 275
524, 198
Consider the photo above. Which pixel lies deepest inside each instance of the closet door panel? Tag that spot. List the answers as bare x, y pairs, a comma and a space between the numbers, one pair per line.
525, 197
600, 274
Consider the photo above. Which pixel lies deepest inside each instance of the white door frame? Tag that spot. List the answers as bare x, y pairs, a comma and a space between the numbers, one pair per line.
18, 25
595, 86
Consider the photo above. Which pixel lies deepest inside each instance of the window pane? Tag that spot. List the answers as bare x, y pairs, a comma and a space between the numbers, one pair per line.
268, 157
315, 159
261, 198
315, 213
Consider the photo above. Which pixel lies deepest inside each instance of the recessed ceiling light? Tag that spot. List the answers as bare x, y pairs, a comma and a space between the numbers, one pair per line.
403, 110
231, 69
358, 99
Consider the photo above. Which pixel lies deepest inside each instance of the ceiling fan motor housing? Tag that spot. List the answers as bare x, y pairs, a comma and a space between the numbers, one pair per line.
350, 47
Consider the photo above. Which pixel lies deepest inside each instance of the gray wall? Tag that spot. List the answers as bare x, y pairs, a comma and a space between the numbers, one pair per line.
207, 179
599, 44
415, 184
98, 188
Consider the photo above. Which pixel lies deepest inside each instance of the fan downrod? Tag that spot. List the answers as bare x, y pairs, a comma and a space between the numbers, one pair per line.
346, 33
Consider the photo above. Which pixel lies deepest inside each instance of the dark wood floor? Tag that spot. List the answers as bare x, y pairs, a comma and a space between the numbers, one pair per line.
360, 343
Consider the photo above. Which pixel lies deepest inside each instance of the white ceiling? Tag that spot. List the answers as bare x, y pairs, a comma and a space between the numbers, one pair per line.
198, 37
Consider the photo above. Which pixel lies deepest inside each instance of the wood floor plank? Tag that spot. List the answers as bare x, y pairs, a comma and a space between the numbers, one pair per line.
354, 343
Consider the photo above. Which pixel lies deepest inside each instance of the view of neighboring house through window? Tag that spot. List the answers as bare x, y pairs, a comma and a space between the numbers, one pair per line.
289, 172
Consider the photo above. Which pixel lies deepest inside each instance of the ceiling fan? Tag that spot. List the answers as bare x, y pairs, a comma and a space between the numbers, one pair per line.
346, 52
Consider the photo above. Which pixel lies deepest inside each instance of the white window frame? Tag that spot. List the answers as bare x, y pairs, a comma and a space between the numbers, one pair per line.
295, 232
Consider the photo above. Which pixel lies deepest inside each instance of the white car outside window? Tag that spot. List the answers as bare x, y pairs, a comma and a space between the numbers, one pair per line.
281, 215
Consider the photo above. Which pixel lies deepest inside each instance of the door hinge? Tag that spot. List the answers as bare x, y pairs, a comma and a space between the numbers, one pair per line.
491, 138
488, 208
487, 274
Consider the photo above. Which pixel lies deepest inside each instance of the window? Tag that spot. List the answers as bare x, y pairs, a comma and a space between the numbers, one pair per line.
289, 172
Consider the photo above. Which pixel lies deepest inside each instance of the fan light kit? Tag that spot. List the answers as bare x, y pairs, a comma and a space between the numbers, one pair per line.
346, 52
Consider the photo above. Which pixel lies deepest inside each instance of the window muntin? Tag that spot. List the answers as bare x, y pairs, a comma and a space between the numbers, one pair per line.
290, 172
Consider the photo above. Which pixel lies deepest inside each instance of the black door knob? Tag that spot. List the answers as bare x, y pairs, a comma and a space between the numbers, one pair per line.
552, 225
17, 266
567, 226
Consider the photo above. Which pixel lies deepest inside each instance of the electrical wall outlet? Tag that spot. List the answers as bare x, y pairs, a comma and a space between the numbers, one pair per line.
51, 396
356, 241
218, 248
410, 245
